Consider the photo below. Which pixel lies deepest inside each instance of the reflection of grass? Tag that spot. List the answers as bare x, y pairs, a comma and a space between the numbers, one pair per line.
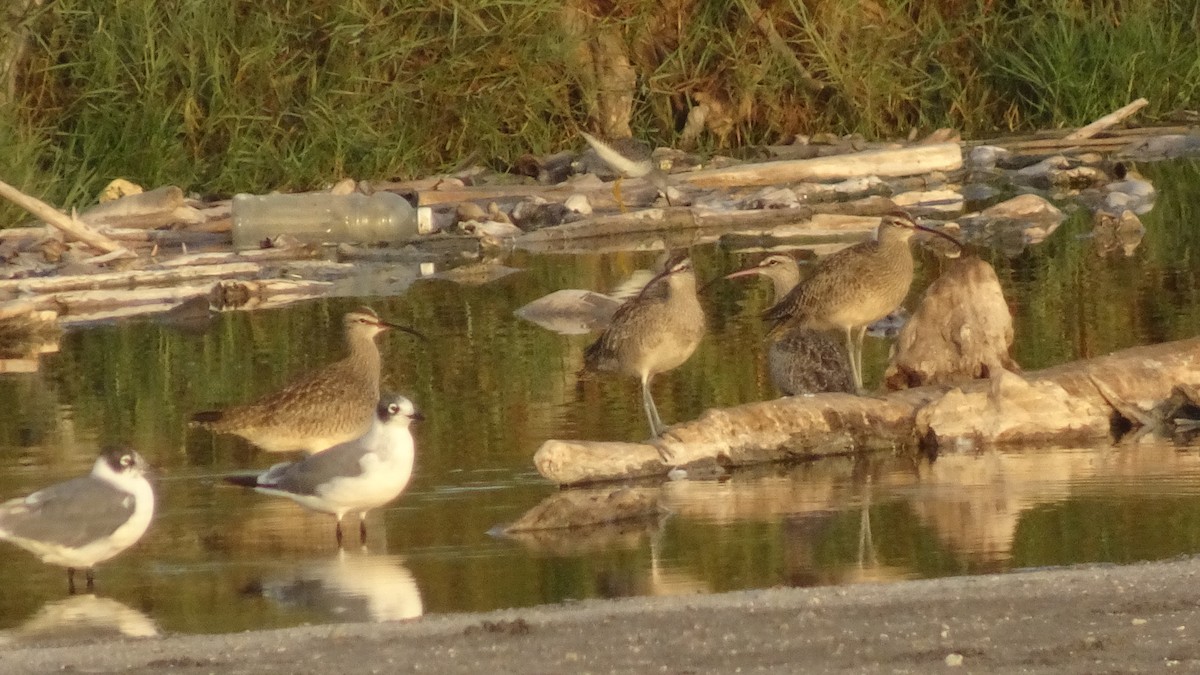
1069, 303
300, 94
20, 336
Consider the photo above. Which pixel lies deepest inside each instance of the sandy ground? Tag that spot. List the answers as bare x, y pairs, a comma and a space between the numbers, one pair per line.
1132, 619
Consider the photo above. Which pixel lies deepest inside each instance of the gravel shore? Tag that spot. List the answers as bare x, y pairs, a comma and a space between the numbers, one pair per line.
1129, 619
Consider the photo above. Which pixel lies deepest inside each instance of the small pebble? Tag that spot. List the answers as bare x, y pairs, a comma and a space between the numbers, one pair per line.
954, 660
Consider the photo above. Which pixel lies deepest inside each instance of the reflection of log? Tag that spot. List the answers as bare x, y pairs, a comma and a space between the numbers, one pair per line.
580, 508
1055, 404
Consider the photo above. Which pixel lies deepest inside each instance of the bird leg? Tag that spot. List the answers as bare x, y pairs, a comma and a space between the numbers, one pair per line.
656, 425
90, 574
338, 531
616, 190
362, 528
71, 580
862, 331
854, 374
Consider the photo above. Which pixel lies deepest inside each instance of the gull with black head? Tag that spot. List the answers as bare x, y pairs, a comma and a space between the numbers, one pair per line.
86, 520
353, 477
321, 409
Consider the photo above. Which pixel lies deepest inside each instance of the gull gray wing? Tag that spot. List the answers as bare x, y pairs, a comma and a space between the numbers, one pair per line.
71, 514
307, 475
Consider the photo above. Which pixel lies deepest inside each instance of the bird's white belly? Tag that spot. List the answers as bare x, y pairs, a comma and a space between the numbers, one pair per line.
102, 549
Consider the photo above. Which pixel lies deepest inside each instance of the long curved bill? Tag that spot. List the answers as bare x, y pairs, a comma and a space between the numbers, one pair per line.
406, 329
958, 244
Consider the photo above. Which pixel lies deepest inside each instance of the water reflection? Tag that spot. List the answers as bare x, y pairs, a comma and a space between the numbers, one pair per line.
349, 587
494, 387
81, 618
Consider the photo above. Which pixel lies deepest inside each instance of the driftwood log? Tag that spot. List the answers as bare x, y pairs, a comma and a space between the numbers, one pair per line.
1066, 403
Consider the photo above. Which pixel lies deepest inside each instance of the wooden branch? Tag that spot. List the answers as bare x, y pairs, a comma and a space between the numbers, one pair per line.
71, 225
129, 278
683, 222
1057, 404
80, 307
779, 46
1112, 119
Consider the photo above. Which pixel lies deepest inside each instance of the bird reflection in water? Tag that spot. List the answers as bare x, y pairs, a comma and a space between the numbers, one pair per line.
81, 618
350, 587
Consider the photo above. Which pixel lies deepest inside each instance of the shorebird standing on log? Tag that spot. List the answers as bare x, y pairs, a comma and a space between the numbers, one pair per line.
652, 332
854, 287
321, 409
800, 360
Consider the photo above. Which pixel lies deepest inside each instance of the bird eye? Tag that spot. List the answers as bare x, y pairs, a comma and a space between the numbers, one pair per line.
126, 460
393, 409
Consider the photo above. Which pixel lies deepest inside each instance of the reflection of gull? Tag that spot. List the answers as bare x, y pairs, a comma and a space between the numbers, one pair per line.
351, 587
82, 617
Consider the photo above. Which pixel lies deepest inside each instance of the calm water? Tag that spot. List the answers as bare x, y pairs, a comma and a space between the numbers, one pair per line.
493, 387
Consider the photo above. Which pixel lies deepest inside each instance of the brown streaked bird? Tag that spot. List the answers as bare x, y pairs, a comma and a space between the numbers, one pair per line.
652, 332
854, 287
321, 409
800, 360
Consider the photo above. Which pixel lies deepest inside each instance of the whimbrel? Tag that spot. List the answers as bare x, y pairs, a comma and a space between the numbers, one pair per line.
87, 520
321, 409
353, 477
652, 332
800, 360
854, 287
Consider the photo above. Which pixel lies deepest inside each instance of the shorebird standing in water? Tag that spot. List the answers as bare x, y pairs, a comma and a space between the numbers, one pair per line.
801, 360
854, 287
353, 477
87, 520
328, 406
652, 332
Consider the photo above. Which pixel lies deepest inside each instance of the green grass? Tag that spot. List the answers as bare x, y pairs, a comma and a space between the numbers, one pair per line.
252, 97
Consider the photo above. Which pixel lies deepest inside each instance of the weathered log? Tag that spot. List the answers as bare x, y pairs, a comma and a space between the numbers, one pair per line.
961, 331
81, 307
155, 208
71, 225
129, 278
906, 161
693, 225
199, 260
1112, 119
980, 412
33, 233
193, 236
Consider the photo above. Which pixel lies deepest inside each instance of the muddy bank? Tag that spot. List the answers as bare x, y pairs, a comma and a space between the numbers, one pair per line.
1136, 618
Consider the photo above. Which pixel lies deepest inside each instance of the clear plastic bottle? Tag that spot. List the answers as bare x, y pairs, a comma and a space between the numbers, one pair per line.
322, 218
